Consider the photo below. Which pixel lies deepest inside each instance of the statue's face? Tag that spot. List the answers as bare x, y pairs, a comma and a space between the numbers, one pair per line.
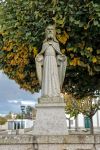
50, 32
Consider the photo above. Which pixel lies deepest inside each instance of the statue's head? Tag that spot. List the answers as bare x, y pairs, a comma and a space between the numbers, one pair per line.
50, 32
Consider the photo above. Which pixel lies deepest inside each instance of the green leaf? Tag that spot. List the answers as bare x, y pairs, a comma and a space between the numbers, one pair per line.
28, 34
77, 22
71, 19
96, 22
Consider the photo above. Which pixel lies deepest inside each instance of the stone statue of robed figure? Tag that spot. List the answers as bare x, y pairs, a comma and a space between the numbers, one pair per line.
51, 65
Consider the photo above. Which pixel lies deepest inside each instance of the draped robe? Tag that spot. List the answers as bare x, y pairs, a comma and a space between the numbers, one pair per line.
51, 67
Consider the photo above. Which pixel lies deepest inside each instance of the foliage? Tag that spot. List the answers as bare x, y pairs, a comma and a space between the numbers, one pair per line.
22, 26
18, 116
79, 83
9, 116
28, 113
3, 120
72, 105
88, 106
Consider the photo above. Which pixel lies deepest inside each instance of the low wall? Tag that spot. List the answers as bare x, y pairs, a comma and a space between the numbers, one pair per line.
16, 142
4, 127
69, 142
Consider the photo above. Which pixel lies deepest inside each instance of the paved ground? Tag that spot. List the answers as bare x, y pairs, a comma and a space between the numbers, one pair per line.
71, 131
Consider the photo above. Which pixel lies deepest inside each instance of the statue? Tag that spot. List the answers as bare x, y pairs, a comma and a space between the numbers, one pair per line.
51, 65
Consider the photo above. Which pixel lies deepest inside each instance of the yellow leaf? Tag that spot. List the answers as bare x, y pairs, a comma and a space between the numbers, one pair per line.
63, 37
89, 49
63, 51
94, 60
35, 51
75, 61
70, 49
71, 63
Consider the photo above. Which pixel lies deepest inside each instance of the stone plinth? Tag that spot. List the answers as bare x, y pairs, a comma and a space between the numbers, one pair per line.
50, 118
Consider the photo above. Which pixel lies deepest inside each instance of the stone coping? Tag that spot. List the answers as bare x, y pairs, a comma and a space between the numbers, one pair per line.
44, 139
16, 139
51, 105
46, 100
69, 139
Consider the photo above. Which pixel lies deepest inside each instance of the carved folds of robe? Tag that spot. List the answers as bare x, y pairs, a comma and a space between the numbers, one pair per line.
51, 67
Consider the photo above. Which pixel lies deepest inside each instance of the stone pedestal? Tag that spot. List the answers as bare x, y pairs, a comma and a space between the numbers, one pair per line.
50, 118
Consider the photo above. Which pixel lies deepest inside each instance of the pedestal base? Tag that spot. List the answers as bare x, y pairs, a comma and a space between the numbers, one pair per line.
50, 118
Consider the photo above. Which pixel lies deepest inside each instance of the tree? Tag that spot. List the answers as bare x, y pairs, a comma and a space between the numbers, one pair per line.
9, 116
3, 120
22, 26
19, 116
88, 106
72, 108
79, 83
71, 105
28, 113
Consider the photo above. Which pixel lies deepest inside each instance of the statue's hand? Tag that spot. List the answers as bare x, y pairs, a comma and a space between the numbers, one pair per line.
39, 57
61, 57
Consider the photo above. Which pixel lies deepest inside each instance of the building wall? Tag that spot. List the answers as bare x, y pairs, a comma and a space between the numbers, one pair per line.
28, 123
68, 142
81, 121
25, 123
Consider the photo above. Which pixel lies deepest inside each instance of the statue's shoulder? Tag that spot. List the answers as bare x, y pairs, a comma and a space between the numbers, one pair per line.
45, 42
44, 45
56, 43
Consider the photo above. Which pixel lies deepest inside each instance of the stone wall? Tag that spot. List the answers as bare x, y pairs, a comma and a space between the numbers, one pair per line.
69, 142
4, 127
16, 142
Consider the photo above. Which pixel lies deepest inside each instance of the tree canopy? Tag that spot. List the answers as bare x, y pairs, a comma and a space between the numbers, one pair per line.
22, 27
3, 120
88, 106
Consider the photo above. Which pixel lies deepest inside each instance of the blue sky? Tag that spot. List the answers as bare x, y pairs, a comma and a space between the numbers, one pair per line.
12, 97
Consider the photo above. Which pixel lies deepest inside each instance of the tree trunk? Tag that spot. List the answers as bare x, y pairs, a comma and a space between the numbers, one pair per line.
69, 123
76, 123
91, 125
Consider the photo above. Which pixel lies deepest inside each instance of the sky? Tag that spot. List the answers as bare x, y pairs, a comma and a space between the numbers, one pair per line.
12, 97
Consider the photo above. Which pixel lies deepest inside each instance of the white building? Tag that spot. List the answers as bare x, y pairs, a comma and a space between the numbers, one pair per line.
20, 124
83, 121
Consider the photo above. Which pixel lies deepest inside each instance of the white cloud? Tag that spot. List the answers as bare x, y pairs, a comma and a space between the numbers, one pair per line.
3, 115
15, 101
22, 102
32, 103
